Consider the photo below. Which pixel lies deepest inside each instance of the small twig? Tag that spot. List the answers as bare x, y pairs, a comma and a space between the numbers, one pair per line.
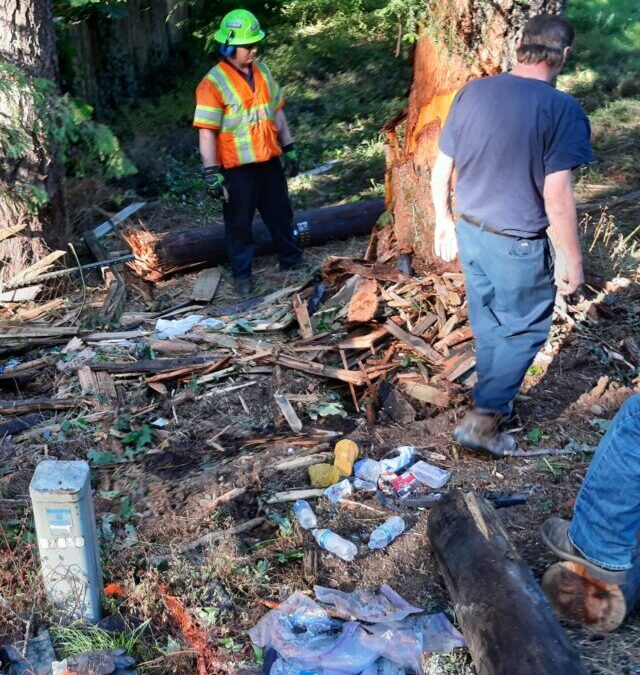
348, 502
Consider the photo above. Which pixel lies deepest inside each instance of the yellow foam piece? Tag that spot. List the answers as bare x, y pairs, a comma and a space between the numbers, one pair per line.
345, 454
323, 475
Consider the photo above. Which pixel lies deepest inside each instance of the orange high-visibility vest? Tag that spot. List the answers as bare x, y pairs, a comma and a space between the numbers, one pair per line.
243, 118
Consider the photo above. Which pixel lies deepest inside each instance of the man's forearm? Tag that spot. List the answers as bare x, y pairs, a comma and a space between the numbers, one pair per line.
441, 187
284, 133
560, 206
208, 140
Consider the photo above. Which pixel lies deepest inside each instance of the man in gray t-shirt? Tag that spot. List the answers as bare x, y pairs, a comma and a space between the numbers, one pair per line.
513, 140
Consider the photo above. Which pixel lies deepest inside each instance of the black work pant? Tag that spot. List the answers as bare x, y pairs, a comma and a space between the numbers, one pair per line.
261, 186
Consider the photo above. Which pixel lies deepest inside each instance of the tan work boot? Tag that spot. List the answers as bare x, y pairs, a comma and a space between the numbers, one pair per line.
579, 598
480, 431
555, 534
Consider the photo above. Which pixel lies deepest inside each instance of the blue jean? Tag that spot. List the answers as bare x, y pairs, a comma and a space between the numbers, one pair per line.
510, 293
606, 519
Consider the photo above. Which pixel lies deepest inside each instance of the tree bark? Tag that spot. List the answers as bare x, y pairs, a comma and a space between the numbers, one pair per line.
464, 39
28, 44
505, 618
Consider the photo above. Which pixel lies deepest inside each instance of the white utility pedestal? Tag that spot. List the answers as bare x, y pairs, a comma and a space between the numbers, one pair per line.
67, 540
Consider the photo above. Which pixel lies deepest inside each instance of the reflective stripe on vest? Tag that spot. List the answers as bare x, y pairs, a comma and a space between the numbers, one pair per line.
237, 120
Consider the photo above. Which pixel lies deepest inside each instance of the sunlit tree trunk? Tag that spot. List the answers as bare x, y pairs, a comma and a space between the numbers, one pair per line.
464, 39
34, 175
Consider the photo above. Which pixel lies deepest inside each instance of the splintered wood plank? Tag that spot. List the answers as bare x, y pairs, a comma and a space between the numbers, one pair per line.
98, 385
455, 338
321, 370
302, 315
363, 341
364, 302
457, 366
289, 413
29, 405
424, 323
415, 343
21, 294
427, 394
37, 268
206, 285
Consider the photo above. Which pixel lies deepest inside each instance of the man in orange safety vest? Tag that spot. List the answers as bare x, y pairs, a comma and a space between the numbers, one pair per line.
244, 135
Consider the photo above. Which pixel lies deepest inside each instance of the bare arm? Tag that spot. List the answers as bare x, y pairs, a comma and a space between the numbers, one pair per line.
445, 243
284, 133
208, 147
560, 205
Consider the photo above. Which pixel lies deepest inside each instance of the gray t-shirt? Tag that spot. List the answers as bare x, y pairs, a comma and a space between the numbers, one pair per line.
505, 134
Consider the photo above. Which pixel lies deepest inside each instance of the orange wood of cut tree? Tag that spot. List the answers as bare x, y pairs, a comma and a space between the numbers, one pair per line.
480, 40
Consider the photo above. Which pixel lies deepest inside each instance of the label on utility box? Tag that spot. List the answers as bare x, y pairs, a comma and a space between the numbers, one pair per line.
59, 520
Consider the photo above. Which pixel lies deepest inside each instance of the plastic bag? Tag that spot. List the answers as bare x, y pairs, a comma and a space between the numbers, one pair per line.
303, 634
383, 605
173, 328
439, 635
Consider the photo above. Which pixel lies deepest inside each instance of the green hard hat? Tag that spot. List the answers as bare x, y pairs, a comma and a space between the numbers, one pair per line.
239, 27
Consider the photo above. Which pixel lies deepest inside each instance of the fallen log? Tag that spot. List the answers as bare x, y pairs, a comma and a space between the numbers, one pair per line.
505, 618
159, 255
22, 406
152, 365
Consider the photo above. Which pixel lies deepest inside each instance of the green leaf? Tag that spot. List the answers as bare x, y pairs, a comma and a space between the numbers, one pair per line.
535, 436
99, 457
258, 654
139, 438
286, 528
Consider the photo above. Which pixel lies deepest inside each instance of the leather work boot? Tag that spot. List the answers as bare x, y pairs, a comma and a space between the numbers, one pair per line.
242, 287
580, 599
481, 432
555, 534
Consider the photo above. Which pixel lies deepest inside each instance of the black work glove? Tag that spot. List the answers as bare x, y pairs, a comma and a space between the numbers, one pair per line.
290, 161
214, 183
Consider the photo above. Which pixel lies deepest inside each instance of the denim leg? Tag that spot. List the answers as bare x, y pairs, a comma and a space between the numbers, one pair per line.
511, 297
238, 212
275, 209
480, 294
606, 519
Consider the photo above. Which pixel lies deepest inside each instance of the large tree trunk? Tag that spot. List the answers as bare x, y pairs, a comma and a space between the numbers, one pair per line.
28, 52
464, 39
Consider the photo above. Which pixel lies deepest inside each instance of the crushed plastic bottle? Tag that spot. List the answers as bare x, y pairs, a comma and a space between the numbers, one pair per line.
334, 493
402, 459
368, 469
334, 543
367, 485
384, 534
305, 515
430, 475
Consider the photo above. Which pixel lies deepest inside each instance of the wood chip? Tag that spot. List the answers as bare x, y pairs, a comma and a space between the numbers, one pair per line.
289, 413
427, 394
364, 302
415, 343
206, 285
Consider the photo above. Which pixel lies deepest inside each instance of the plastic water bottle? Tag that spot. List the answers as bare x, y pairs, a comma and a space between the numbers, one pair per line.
402, 459
334, 493
384, 534
334, 543
305, 515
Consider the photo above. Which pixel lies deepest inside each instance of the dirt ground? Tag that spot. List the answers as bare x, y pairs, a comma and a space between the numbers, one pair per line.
162, 498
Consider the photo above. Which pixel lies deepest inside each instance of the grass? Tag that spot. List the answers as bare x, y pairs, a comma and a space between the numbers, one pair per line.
602, 74
70, 640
